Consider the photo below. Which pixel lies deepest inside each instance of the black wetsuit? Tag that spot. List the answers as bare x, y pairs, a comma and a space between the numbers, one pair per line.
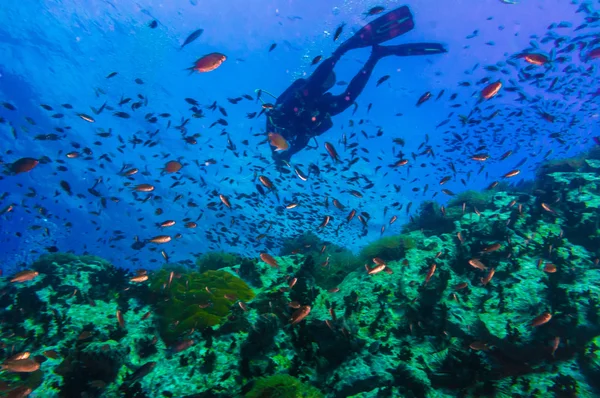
304, 110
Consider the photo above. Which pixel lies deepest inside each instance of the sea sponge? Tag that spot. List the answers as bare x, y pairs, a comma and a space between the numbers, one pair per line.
216, 260
388, 248
282, 386
216, 291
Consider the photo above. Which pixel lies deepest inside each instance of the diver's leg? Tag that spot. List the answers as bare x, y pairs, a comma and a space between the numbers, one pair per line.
384, 28
340, 103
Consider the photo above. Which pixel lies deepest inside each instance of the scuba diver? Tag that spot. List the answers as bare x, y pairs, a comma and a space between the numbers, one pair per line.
304, 110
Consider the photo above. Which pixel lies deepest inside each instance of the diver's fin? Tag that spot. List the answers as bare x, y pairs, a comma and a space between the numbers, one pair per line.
384, 28
404, 50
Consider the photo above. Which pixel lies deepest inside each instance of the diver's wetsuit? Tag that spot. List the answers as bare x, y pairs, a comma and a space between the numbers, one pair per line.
304, 109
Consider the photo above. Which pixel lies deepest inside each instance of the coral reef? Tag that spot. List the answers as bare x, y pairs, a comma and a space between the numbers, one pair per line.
196, 300
497, 299
282, 386
388, 248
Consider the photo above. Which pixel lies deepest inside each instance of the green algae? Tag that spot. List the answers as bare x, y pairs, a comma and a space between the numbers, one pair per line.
216, 260
196, 300
282, 386
388, 248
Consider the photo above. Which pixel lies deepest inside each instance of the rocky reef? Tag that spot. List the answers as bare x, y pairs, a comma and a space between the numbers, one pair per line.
494, 295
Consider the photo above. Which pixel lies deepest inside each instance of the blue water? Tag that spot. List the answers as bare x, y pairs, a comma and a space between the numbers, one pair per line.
60, 52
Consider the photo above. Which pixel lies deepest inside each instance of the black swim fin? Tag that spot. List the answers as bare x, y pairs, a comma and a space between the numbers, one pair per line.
384, 28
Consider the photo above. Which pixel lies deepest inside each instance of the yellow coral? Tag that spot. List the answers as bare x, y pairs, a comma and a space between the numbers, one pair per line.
196, 300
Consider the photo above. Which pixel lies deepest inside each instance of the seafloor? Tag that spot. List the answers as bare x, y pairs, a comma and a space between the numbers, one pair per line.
496, 294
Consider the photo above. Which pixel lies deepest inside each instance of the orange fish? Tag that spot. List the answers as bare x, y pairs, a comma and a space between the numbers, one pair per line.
172, 167
168, 223
329, 324
208, 63
351, 215
547, 208
480, 157
379, 261
278, 142
72, 155
332, 152
267, 258
375, 270
337, 204
555, 344
492, 248
265, 181
550, 268
488, 278
491, 90
144, 188
542, 319
292, 282
325, 222
120, 319
300, 173
300, 314
51, 354
479, 346
182, 345
23, 165
430, 273
225, 200
24, 276
294, 304
19, 356
161, 239
475, 263
535, 59
190, 224
130, 172
461, 286
401, 162
19, 392
139, 279
511, 173
26, 365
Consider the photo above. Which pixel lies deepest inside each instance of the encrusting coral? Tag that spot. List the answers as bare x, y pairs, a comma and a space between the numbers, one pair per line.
195, 300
